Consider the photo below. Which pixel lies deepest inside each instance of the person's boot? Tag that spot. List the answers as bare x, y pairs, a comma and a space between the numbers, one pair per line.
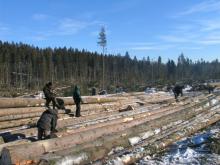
78, 114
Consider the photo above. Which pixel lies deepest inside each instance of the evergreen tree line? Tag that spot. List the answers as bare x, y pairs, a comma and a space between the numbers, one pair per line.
28, 67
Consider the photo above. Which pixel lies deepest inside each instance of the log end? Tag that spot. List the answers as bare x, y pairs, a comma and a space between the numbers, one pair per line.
1, 140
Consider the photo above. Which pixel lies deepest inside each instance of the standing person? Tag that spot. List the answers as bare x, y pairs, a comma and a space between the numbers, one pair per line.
49, 95
210, 88
93, 91
77, 99
47, 123
178, 90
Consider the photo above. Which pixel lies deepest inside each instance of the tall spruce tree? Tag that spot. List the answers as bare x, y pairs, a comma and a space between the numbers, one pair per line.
102, 41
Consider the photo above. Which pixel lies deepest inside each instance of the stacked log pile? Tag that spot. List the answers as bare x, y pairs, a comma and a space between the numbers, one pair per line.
126, 121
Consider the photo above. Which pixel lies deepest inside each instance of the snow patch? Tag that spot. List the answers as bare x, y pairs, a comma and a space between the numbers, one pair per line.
134, 140
70, 160
128, 119
214, 101
147, 134
156, 131
206, 105
115, 150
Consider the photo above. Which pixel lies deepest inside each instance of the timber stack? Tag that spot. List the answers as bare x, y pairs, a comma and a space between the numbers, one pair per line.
110, 126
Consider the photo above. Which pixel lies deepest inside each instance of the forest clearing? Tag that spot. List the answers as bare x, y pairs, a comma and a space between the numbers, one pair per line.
119, 82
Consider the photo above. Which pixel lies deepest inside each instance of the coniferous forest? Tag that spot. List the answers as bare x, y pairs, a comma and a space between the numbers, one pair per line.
28, 67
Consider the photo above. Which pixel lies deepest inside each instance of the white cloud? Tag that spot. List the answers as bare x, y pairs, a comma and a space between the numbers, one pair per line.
205, 6
211, 39
40, 17
191, 48
144, 48
138, 43
210, 42
174, 38
210, 25
69, 26
39, 38
94, 33
4, 30
194, 30
63, 27
151, 46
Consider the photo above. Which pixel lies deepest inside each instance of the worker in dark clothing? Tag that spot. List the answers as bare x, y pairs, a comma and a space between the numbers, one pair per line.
49, 95
47, 124
93, 91
178, 90
210, 88
77, 99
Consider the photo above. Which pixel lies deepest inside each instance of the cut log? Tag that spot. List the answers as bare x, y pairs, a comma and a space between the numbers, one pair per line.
84, 107
1, 140
31, 102
20, 122
14, 143
25, 110
24, 116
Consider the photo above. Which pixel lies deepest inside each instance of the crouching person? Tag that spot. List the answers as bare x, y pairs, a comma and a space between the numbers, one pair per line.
47, 124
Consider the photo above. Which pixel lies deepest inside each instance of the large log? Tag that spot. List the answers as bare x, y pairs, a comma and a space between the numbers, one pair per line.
14, 143
31, 102
16, 154
16, 123
27, 115
24, 110
25, 122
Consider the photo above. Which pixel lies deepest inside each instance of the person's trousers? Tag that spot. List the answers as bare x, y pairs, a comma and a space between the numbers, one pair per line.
78, 110
48, 100
43, 134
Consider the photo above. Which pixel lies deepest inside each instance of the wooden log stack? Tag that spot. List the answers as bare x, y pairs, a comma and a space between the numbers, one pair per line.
127, 121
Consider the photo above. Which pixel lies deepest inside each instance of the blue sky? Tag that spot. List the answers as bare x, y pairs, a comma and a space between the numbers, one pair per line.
142, 27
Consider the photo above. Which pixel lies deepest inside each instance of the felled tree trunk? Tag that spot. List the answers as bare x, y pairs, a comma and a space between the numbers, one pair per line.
31, 102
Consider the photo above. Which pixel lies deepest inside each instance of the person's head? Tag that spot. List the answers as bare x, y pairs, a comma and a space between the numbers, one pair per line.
76, 87
49, 84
